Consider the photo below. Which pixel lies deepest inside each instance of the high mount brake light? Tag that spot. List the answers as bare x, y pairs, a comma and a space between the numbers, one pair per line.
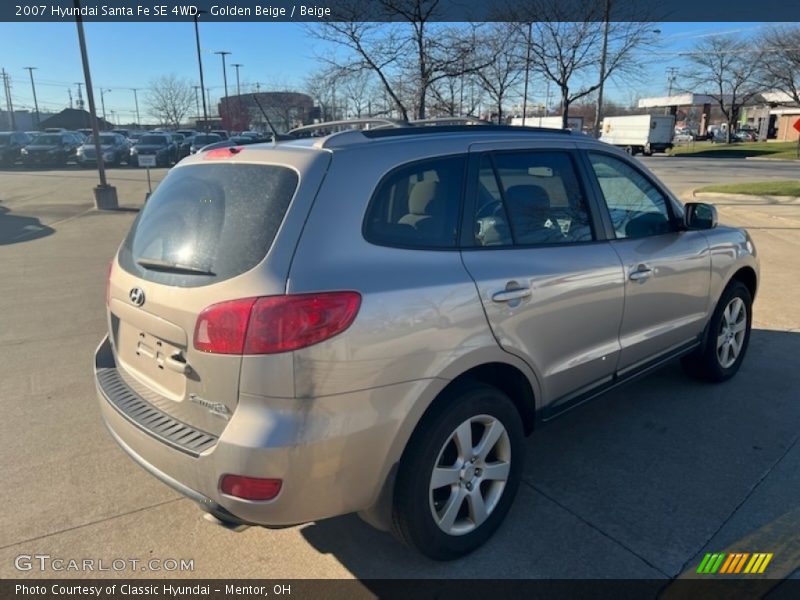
222, 153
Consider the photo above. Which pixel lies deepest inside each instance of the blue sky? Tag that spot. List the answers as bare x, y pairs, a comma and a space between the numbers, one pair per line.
127, 55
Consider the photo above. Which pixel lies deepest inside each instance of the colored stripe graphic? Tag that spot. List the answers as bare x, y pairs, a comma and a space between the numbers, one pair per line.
765, 563
726, 566
722, 563
741, 562
704, 563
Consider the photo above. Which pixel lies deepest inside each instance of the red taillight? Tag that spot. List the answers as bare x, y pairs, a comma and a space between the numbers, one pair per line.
274, 324
250, 488
221, 328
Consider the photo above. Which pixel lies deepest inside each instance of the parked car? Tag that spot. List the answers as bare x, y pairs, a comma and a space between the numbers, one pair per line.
236, 140
51, 149
186, 133
203, 139
114, 146
222, 133
372, 321
11, 143
158, 144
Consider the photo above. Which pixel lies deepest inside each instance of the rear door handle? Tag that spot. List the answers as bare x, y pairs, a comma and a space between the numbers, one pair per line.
177, 363
642, 273
511, 295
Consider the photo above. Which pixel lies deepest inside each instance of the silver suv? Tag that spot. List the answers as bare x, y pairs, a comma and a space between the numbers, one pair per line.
372, 321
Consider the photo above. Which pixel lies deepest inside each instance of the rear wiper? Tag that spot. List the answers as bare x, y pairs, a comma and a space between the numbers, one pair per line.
155, 264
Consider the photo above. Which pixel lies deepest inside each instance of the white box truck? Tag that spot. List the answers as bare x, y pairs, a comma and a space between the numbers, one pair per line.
639, 133
573, 123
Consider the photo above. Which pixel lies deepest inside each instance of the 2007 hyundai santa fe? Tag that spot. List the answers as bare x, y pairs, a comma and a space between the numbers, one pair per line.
373, 320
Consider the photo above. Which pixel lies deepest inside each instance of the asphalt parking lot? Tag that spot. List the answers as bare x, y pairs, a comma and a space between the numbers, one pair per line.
639, 484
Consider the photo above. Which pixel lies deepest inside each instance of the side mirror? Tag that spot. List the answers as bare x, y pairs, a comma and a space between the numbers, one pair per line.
699, 215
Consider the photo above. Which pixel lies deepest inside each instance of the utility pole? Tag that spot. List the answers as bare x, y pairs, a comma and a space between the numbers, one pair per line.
136, 100
79, 103
105, 196
9, 104
598, 113
69, 93
103, 102
200, 65
672, 74
35, 102
237, 66
527, 73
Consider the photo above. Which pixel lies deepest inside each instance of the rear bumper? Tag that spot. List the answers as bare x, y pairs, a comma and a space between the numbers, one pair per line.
333, 454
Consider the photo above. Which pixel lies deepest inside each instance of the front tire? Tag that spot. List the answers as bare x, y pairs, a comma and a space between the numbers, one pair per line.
727, 339
459, 473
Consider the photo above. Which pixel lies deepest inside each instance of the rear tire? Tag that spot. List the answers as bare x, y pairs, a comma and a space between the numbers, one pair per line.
727, 338
459, 473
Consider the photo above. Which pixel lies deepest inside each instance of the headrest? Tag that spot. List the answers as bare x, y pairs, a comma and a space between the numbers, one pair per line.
422, 195
528, 196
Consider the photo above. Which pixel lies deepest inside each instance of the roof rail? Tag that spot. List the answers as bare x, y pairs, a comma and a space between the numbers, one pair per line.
443, 121
383, 133
335, 126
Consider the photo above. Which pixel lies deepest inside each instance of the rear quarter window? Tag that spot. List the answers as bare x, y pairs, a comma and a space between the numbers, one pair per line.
208, 223
418, 205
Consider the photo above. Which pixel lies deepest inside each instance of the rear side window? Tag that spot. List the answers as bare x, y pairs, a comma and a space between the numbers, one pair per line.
418, 205
208, 223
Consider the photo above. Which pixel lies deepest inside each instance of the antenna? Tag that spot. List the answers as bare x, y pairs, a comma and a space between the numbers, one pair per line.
275, 133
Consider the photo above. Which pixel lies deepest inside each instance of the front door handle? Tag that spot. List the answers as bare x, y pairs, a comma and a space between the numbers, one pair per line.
511, 295
641, 274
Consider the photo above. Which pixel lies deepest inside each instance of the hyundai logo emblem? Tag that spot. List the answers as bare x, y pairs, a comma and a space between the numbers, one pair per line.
137, 296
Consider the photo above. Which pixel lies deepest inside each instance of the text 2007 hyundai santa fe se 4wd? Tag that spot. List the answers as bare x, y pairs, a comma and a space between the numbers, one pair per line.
372, 321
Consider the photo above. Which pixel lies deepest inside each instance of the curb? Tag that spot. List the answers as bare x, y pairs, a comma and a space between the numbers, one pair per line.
748, 197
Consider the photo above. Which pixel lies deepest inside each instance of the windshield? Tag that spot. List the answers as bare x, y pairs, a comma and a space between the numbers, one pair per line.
153, 140
207, 223
202, 140
48, 140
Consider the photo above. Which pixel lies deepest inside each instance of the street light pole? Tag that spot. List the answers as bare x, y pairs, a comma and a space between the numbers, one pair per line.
105, 196
238, 87
200, 65
35, 102
237, 66
223, 54
136, 100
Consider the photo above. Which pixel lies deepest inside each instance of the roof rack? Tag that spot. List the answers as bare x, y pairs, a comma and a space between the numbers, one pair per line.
382, 133
443, 121
329, 127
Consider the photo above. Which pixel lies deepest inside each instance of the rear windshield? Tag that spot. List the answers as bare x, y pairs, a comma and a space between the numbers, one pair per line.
207, 223
154, 140
206, 139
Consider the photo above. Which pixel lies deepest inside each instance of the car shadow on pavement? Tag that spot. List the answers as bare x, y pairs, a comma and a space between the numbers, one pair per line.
18, 228
632, 485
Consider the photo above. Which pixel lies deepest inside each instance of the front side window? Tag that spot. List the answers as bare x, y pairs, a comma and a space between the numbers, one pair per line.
529, 198
417, 205
637, 208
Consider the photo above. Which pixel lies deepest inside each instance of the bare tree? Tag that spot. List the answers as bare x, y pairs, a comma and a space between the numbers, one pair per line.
781, 67
505, 68
411, 48
727, 69
169, 99
570, 40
